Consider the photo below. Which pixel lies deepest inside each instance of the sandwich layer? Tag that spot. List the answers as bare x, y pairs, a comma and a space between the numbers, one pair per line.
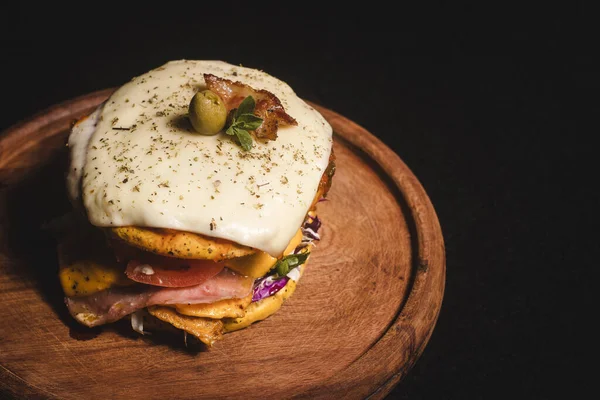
137, 162
179, 244
98, 291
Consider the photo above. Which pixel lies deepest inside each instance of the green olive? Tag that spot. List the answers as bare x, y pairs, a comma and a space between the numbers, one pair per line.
207, 113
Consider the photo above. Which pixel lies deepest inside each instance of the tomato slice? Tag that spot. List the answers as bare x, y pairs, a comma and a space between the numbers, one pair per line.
153, 269
172, 272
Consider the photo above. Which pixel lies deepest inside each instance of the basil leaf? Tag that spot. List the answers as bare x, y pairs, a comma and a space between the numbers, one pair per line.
242, 120
282, 268
231, 130
302, 257
249, 121
287, 263
245, 107
245, 138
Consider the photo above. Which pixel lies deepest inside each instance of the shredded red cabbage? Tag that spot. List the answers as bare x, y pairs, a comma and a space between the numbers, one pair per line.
310, 234
310, 230
268, 286
314, 225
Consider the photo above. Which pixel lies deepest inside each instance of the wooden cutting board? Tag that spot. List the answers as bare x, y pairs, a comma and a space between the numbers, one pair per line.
360, 318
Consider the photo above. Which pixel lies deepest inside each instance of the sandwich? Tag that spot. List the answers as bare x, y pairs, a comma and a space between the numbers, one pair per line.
195, 189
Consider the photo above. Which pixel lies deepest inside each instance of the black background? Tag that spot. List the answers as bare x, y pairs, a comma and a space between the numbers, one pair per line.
492, 109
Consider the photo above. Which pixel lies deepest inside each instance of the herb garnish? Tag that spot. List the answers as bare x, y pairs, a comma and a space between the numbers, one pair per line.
287, 263
243, 120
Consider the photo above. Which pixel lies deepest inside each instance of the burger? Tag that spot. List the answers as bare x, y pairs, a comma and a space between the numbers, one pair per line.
195, 189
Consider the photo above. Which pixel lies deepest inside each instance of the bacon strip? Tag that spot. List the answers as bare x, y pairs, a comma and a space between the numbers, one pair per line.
268, 107
113, 304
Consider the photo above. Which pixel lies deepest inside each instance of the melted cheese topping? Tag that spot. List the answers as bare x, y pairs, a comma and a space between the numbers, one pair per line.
137, 161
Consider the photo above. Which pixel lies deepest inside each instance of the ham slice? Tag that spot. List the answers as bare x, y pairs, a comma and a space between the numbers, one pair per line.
113, 304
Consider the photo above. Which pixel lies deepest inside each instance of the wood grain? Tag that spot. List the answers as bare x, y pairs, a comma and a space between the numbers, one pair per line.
360, 318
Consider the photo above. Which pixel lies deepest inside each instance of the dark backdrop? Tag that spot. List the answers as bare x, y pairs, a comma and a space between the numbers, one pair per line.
502, 144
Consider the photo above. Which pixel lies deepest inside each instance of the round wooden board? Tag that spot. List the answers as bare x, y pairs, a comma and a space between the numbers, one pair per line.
361, 316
